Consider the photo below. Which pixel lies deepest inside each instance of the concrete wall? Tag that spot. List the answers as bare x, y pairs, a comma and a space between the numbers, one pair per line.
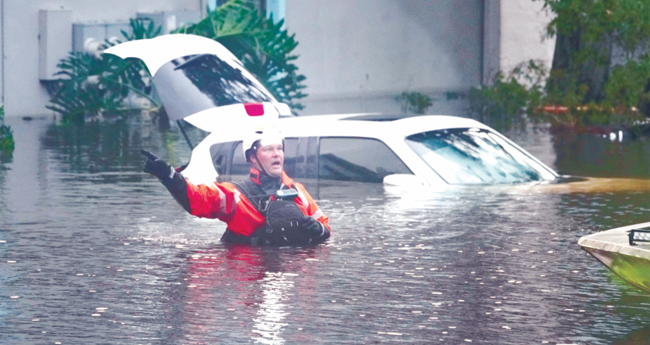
21, 90
523, 34
358, 55
491, 40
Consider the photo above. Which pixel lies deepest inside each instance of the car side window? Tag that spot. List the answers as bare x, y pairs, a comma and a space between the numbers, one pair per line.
220, 154
290, 153
357, 159
239, 165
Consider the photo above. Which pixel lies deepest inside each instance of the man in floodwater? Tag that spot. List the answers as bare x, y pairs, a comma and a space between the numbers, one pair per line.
266, 209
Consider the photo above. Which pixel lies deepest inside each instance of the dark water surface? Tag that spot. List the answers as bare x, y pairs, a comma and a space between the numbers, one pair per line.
97, 252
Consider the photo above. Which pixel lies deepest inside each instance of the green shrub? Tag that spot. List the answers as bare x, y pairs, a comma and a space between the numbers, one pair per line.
264, 47
522, 92
97, 85
509, 96
582, 77
414, 102
624, 95
626, 91
94, 86
6, 138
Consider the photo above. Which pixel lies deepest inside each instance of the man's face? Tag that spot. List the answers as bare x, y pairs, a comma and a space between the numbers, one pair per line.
270, 158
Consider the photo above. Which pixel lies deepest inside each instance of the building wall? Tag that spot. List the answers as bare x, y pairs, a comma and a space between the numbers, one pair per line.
491, 40
22, 92
523, 34
358, 55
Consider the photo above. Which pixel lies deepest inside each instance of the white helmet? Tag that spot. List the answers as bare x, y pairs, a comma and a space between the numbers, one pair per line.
259, 137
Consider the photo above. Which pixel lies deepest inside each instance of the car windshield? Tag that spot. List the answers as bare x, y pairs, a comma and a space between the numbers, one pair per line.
475, 156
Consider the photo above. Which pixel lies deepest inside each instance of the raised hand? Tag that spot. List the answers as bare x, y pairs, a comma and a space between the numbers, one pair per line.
156, 166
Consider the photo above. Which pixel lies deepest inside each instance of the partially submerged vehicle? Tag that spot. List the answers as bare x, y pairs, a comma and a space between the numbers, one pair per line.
625, 251
395, 150
202, 83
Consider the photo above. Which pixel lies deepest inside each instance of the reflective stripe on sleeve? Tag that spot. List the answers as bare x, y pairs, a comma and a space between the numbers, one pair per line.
222, 201
236, 199
317, 214
303, 198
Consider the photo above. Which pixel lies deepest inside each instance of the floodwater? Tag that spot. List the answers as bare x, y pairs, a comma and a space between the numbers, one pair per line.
93, 251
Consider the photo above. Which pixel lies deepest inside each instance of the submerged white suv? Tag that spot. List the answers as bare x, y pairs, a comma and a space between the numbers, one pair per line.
401, 149
201, 82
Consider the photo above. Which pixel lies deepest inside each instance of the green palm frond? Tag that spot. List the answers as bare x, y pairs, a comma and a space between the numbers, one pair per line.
90, 86
264, 47
7, 144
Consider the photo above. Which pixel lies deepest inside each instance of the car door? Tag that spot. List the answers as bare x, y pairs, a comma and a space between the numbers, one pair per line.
357, 159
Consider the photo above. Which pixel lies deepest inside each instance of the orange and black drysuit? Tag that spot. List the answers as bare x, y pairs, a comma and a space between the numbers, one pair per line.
238, 205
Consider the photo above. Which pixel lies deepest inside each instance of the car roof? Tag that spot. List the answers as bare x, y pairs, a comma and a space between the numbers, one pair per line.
357, 125
391, 129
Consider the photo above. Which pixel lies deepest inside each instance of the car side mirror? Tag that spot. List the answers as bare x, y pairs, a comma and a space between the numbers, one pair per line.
403, 180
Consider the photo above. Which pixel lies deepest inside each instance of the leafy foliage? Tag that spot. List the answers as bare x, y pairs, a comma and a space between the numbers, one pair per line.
627, 20
414, 102
587, 31
509, 96
522, 92
626, 92
584, 86
6, 138
94, 86
140, 29
264, 47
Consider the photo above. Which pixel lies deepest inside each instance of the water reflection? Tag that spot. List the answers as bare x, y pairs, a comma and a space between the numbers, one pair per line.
110, 147
272, 311
242, 293
639, 337
588, 154
491, 265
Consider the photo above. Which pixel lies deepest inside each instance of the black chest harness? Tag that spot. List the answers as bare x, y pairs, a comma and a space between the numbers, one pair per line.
265, 234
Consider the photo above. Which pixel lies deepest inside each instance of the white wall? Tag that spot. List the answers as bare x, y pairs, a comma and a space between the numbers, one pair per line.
23, 94
523, 34
358, 55
491, 40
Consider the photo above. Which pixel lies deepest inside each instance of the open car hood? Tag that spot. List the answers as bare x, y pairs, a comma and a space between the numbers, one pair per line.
200, 81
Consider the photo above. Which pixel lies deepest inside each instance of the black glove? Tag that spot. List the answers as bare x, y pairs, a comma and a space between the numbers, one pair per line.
312, 226
157, 167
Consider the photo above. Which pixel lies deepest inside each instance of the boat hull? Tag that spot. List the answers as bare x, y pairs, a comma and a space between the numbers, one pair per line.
630, 262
